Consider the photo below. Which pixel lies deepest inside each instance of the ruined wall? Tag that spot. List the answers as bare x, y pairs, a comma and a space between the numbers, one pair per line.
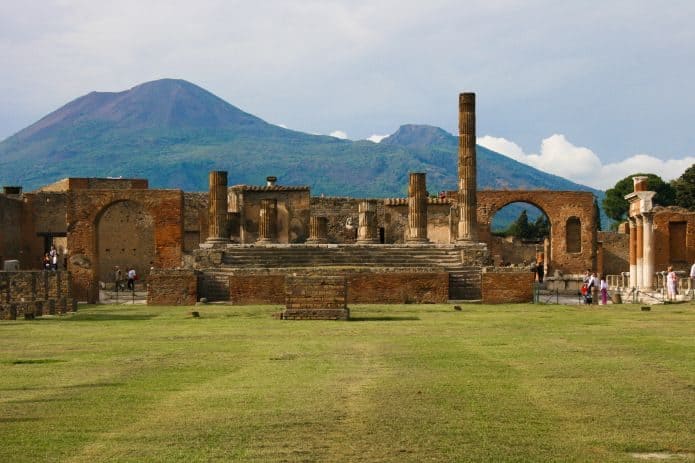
615, 249
125, 238
507, 285
342, 215
559, 207
392, 287
10, 229
395, 220
316, 298
172, 287
85, 208
86, 183
513, 251
678, 251
195, 220
35, 293
293, 205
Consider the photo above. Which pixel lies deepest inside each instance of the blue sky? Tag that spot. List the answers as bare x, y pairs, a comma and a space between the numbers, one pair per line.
591, 90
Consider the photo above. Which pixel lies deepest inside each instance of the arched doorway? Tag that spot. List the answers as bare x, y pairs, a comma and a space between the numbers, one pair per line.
125, 238
520, 234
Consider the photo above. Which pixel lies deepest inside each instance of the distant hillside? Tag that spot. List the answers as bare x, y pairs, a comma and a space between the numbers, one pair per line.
173, 132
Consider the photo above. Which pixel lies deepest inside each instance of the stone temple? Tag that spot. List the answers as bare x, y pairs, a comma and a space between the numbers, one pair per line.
244, 243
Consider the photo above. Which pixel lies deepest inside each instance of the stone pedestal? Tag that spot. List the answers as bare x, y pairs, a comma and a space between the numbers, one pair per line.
217, 209
267, 223
417, 209
367, 232
318, 230
468, 223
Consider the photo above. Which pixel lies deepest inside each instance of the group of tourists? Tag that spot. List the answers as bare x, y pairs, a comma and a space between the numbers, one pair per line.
591, 281
50, 259
672, 282
131, 277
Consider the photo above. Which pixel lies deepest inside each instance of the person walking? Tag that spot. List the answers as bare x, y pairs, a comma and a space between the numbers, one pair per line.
604, 290
117, 278
131, 279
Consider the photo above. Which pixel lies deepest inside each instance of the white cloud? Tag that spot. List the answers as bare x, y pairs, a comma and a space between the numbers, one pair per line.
339, 134
560, 157
376, 138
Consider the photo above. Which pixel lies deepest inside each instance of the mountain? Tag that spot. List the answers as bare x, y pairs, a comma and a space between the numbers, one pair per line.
173, 132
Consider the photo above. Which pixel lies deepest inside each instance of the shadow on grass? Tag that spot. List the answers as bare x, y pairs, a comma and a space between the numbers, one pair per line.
383, 319
101, 317
70, 386
17, 420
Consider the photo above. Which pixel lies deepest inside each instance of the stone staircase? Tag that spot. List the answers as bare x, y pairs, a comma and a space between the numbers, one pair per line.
464, 280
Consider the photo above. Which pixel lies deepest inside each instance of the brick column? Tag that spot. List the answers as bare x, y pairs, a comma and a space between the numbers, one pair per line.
417, 208
639, 250
468, 224
318, 230
633, 252
648, 250
217, 208
267, 222
367, 230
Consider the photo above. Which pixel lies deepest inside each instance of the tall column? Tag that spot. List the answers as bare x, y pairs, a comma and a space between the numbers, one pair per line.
267, 222
417, 208
217, 208
633, 252
318, 230
367, 231
639, 249
648, 250
468, 223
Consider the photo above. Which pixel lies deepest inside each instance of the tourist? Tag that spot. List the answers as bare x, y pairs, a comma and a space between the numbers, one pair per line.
692, 275
540, 270
46, 261
604, 290
671, 282
132, 276
117, 278
53, 254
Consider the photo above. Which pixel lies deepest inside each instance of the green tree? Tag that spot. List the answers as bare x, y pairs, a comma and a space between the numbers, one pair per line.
520, 227
616, 205
684, 187
541, 227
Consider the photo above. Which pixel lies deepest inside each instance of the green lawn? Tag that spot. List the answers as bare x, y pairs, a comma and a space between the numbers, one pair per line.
410, 383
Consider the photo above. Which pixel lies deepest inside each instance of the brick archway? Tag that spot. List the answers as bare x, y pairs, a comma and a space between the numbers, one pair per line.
558, 206
86, 207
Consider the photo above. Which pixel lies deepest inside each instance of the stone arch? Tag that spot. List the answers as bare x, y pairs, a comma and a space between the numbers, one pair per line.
125, 237
512, 249
87, 207
558, 207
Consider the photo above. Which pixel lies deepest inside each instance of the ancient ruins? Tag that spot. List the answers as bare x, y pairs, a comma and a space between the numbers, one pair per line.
244, 243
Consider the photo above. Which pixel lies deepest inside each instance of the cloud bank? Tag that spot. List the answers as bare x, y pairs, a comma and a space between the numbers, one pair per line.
559, 156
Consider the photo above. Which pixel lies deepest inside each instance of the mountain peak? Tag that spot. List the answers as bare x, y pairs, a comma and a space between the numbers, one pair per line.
418, 136
160, 104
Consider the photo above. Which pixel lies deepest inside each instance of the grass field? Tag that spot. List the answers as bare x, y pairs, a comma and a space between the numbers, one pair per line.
411, 383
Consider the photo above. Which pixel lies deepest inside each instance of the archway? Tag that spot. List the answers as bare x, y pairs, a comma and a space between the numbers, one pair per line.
125, 238
520, 234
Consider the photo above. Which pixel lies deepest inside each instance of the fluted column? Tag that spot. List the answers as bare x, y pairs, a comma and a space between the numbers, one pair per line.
417, 208
267, 222
217, 208
648, 250
468, 224
633, 252
639, 250
367, 231
318, 230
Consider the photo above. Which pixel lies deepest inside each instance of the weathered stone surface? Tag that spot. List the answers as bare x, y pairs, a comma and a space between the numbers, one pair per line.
35, 293
310, 297
507, 285
172, 287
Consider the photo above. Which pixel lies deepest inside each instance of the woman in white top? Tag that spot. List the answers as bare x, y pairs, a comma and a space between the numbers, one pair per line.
671, 280
604, 290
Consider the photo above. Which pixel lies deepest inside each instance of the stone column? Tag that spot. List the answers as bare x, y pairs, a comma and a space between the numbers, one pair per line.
267, 222
648, 250
468, 223
367, 231
217, 208
318, 230
417, 208
633, 253
639, 249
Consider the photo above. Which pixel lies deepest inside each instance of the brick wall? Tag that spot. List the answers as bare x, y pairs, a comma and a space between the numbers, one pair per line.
172, 287
664, 243
10, 232
506, 285
615, 249
35, 293
316, 298
364, 287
